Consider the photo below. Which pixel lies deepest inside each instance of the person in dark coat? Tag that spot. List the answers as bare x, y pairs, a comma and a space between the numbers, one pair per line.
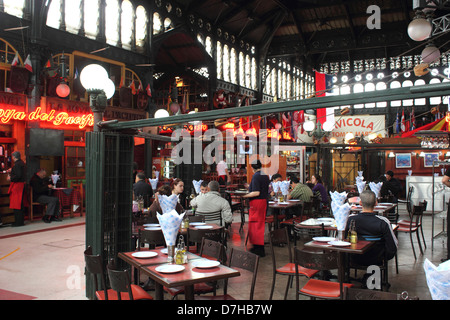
142, 189
42, 189
17, 176
391, 186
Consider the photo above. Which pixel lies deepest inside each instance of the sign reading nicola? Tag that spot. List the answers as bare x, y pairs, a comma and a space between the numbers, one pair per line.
362, 125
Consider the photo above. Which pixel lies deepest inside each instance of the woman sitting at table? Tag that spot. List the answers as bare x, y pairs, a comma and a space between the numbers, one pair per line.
156, 207
178, 189
319, 189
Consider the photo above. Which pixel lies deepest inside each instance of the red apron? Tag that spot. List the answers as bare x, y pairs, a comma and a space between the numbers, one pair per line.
16, 194
257, 221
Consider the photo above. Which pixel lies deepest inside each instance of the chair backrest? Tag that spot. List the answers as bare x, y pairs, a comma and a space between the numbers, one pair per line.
196, 218
151, 237
119, 281
279, 237
408, 200
212, 249
94, 265
366, 294
197, 235
317, 260
247, 261
417, 214
210, 216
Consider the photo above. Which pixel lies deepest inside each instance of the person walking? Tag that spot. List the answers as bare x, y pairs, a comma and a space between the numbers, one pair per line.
17, 191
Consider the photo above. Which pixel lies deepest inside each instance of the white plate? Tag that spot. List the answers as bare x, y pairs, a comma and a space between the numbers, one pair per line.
153, 228
151, 225
325, 219
338, 243
144, 254
204, 227
170, 268
271, 201
197, 223
206, 264
385, 204
293, 200
324, 239
165, 251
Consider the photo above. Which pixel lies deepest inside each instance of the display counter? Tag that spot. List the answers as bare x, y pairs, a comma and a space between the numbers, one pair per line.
423, 190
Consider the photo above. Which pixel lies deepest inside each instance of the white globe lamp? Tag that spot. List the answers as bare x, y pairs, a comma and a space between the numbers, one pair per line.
161, 113
309, 126
93, 77
419, 29
430, 54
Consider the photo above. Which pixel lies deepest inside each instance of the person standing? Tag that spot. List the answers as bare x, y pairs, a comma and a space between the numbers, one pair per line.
143, 189
222, 173
446, 182
17, 176
258, 196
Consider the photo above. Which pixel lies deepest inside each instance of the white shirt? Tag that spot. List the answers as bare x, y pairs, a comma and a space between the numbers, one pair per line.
221, 167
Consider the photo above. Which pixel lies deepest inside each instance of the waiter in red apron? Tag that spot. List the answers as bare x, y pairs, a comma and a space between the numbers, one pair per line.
17, 189
258, 195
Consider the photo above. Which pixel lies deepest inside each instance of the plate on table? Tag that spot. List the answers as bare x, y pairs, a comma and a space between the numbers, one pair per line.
324, 239
325, 219
338, 243
197, 223
151, 225
271, 202
170, 268
385, 204
204, 227
205, 264
294, 200
381, 207
165, 251
153, 228
144, 254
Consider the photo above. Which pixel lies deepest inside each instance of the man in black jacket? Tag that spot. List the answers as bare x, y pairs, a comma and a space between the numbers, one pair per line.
17, 176
143, 189
42, 194
391, 186
372, 227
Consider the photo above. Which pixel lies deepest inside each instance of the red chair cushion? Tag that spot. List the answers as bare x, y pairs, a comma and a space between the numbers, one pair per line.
405, 228
290, 269
138, 294
322, 288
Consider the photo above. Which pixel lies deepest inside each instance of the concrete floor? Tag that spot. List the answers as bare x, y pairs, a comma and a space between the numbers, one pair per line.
46, 261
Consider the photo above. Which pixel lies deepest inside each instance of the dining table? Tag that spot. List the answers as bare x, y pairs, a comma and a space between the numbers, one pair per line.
186, 275
342, 249
278, 207
68, 197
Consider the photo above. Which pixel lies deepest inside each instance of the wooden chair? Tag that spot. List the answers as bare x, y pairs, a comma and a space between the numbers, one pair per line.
94, 267
121, 286
153, 238
34, 203
366, 294
211, 216
414, 226
243, 260
196, 236
279, 237
317, 260
195, 218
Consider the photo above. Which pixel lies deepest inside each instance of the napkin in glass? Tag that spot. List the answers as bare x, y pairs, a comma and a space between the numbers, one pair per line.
167, 203
360, 173
197, 185
337, 197
276, 186
360, 185
170, 224
284, 187
340, 213
153, 183
438, 279
376, 188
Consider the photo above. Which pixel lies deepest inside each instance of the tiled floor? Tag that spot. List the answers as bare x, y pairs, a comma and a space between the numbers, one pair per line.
46, 261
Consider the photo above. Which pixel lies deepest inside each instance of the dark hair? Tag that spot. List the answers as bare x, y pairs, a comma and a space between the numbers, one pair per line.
318, 178
294, 179
204, 184
256, 165
390, 173
16, 154
165, 190
276, 176
175, 182
141, 175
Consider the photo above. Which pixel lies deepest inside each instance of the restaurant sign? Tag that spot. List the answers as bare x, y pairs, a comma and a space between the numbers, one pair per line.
361, 125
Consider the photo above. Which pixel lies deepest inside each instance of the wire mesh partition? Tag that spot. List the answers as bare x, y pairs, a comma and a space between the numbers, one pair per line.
109, 175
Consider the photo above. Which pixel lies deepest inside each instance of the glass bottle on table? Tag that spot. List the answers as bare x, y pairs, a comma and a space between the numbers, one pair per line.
353, 233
